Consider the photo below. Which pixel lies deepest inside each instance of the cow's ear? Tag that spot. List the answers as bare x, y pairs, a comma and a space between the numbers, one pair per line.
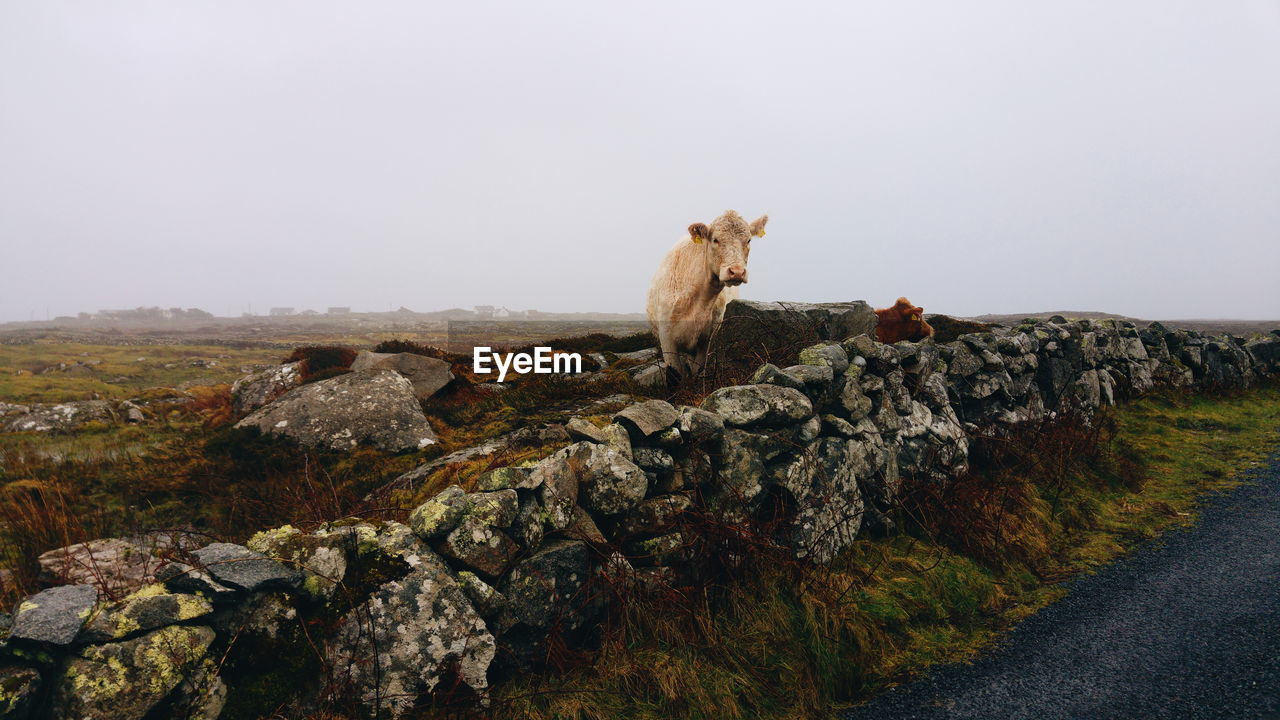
757, 227
699, 232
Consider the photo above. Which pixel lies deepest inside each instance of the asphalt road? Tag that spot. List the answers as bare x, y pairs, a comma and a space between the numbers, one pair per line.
1187, 627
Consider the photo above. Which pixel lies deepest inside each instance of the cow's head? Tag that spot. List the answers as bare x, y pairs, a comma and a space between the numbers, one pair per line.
728, 241
908, 312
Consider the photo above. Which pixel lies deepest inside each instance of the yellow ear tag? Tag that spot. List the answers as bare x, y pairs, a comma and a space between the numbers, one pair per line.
760, 234
697, 239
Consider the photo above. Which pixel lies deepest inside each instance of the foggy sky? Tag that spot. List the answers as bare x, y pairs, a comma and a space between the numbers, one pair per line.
976, 157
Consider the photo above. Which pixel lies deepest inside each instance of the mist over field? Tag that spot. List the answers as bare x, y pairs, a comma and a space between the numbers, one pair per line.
994, 157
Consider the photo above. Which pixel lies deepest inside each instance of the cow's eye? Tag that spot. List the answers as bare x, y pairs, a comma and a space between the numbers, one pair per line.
715, 240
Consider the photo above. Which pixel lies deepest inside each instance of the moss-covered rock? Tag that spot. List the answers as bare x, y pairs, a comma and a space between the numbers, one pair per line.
438, 516
125, 680
147, 609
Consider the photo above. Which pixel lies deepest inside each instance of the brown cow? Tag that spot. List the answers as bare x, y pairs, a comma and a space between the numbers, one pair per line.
696, 279
903, 321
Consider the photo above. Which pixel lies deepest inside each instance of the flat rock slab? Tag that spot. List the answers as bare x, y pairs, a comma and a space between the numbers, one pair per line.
244, 569
650, 416
376, 406
54, 616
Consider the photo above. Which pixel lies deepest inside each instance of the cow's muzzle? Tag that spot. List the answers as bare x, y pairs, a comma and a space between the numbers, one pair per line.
733, 275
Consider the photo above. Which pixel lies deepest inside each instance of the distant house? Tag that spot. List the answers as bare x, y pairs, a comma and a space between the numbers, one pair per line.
501, 313
338, 311
280, 311
484, 311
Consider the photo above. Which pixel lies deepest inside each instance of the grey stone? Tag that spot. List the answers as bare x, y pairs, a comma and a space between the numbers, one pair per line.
853, 403
741, 475
484, 598
815, 379
60, 418
481, 547
654, 459
556, 479
649, 417
753, 405
321, 556
770, 374
583, 527
504, 478
793, 323
701, 426
400, 643
662, 550
617, 437
544, 589
823, 483
609, 484
54, 616
375, 406
428, 375
656, 514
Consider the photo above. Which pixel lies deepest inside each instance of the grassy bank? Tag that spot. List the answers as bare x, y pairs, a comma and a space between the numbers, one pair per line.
784, 641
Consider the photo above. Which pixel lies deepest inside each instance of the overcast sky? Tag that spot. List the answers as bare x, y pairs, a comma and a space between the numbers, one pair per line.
974, 156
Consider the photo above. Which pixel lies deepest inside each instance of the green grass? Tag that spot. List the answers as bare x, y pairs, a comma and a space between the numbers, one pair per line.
781, 641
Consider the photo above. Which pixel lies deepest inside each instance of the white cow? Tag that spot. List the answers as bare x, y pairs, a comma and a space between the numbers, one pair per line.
696, 279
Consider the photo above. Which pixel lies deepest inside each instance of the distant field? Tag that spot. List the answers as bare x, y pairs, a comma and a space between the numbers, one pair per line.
59, 372
66, 365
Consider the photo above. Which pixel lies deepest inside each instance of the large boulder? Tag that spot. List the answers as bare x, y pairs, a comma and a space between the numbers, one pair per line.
257, 390
408, 636
375, 406
427, 374
125, 680
63, 417
777, 331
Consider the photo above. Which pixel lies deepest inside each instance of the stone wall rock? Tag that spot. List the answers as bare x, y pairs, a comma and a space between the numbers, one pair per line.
494, 575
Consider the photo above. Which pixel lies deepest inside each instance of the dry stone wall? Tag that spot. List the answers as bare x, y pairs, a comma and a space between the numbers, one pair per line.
477, 581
